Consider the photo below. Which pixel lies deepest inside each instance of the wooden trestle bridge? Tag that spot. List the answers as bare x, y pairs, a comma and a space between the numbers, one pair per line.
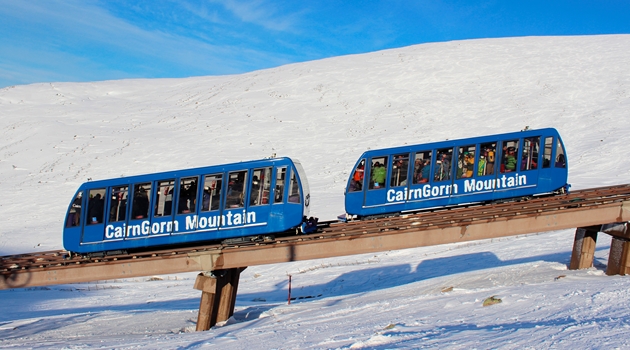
591, 211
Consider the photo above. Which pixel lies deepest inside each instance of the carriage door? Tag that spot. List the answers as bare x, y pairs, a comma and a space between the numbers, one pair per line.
464, 184
94, 230
399, 179
210, 211
443, 178
530, 156
235, 198
186, 205
139, 223
487, 169
258, 200
355, 195
162, 221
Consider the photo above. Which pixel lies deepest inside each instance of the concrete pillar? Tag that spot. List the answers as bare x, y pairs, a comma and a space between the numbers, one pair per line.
218, 296
584, 247
619, 257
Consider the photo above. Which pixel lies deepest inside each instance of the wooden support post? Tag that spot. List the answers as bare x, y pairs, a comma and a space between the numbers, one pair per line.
584, 247
218, 296
619, 257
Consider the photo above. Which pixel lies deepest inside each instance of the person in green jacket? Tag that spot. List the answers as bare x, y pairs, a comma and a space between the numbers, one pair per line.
481, 168
510, 161
378, 175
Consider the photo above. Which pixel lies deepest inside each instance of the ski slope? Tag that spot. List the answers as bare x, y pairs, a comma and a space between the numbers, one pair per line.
326, 113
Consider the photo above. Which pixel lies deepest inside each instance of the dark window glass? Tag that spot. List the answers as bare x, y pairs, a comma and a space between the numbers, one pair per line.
281, 175
509, 162
547, 152
236, 189
465, 161
212, 186
561, 160
141, 200
74, 214
400, 170
118, 204
487, 159
422, 167
529, 158
356, 184
164, 198
378, 173
294, 189
260, 186
442, 165
187, 201
96, 206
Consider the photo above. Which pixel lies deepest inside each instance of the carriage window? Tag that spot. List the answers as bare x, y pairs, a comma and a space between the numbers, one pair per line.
261, 184
422, 167
140, 206
547, 152
400, 170
465, 161
164, 198
187, 200
356, 184
236, 189
486, 159
378, 173
561, 160
211, 192
509, 162
294, 189
442, 166
531, 148
96, 206
281, 175
118, 204
74, 214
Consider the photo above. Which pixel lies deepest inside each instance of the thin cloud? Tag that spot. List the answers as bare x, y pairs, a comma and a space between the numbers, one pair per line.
266, 14
72, 39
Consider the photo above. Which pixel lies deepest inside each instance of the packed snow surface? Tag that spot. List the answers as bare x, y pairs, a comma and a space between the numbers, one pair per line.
326, 113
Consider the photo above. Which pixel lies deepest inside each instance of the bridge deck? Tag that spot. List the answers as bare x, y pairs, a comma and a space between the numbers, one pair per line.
582, 208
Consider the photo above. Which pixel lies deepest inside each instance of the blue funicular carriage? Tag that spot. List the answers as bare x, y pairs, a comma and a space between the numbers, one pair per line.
232, 202
456, 172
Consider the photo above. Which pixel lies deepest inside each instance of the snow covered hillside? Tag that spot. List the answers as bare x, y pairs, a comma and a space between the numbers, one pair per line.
326, 113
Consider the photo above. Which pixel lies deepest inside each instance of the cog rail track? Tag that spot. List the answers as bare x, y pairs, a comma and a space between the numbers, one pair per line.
332, 230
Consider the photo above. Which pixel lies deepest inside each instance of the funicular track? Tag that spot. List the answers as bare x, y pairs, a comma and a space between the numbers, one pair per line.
578, 209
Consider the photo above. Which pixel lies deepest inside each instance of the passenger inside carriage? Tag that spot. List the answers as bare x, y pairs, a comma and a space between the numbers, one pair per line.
509, 160
95, 209
482, 166
378, 175
255, 191
422, 167
489, 154
205, 200
140, 203
357, 177
400, 169
426, 171
443, 165
236, 190
560, 161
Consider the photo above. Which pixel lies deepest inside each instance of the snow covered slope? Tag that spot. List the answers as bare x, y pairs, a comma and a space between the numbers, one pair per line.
326, 113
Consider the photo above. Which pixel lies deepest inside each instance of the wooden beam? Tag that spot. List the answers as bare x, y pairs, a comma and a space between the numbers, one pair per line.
584, 247
218, 296
619, 257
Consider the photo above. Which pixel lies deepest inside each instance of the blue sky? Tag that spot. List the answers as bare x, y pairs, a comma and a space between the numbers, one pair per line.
90, 40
